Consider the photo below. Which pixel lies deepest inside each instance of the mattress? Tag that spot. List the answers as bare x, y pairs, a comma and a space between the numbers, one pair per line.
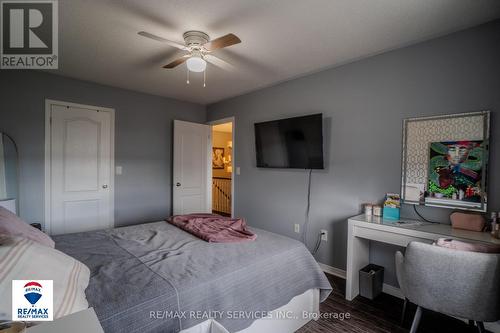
155, 277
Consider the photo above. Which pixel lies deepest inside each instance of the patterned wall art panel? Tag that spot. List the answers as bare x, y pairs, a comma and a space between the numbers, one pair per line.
418, 135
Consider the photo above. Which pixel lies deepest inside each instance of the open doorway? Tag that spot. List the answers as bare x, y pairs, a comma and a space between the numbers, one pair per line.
222, 167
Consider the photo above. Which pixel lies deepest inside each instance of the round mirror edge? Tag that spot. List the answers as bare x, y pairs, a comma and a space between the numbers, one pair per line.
18, 187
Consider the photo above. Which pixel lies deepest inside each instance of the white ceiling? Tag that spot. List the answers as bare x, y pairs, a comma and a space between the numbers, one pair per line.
281, 39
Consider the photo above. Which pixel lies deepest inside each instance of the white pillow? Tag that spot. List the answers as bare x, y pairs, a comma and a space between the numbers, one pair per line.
24, 259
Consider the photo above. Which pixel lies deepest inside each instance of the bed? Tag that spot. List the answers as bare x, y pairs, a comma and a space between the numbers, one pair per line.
156, 277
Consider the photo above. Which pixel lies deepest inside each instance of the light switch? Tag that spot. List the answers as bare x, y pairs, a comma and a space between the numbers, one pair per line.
119, 170
238, 171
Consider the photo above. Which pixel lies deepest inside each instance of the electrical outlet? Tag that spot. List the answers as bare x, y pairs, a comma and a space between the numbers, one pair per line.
324, 235
297, 228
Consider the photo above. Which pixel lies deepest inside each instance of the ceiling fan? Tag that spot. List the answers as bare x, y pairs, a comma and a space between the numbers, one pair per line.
199, 48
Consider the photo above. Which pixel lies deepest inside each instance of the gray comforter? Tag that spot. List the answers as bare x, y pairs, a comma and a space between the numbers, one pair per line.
155, 277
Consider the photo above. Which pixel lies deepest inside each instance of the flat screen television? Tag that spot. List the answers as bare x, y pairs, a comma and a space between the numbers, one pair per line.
290, 143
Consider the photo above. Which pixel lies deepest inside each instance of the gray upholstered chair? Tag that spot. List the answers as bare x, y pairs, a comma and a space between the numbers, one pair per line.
457, 283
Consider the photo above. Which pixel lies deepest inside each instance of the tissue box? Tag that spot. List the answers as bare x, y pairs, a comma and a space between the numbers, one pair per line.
391, 213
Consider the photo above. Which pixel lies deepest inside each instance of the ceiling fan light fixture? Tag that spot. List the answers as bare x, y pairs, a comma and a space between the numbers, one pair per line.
196, 64
199, 46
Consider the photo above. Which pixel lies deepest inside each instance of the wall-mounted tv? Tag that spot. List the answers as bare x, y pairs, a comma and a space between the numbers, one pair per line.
290, 143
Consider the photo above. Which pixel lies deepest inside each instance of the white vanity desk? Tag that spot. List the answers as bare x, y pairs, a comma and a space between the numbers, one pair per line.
362, 229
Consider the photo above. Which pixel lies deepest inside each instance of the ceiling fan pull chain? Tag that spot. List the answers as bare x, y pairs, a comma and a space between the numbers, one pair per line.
187, 81
204, 78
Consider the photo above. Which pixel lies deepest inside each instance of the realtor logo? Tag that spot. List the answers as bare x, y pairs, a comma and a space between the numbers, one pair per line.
29, 36
32, 300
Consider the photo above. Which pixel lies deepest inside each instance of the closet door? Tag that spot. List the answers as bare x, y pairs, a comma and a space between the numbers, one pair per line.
81, 169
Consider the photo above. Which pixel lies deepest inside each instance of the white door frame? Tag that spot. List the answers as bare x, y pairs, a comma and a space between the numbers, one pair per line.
233, 172
48, 166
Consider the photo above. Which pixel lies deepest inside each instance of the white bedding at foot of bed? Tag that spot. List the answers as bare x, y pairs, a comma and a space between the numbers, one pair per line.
307, 302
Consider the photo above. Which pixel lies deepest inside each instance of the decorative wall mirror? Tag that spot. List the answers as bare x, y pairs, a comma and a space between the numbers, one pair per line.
445, 161
9, 174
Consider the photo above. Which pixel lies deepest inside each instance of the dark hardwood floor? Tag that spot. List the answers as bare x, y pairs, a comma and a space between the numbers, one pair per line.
380, 315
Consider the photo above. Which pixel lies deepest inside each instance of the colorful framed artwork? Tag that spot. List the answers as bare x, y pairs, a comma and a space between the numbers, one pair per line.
217, 158
456, 170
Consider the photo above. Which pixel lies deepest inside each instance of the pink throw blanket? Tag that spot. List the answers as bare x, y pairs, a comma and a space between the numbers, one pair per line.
214, 228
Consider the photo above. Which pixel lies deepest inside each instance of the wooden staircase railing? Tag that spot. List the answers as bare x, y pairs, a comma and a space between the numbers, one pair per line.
221, 195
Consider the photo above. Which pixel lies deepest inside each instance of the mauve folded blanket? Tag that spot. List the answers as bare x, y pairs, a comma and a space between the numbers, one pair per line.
214, 228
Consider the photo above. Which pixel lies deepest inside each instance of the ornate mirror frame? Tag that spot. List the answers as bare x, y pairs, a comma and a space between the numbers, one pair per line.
419, 133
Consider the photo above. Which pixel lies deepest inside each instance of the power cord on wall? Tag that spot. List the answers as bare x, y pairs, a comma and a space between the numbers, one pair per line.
308, 208
306, 223
318, 244
420, 215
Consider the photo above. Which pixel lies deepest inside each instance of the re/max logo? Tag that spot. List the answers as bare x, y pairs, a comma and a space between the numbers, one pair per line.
32, 311
32, 300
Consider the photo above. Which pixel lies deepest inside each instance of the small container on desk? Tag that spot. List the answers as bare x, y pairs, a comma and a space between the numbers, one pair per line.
391, 213
368, 209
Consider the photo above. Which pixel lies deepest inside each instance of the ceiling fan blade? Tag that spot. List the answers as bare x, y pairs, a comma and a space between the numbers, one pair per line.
219, 62
177, 62
224, 41
161, 39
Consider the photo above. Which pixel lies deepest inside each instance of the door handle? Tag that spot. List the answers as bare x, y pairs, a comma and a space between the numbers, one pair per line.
178, 184
104, 186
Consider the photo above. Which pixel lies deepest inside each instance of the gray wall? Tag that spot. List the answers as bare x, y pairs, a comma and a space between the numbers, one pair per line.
143, 139
364, 104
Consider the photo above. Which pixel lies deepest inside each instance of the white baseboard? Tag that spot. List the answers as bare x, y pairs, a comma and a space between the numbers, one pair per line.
393, 291
386, 288
332, 270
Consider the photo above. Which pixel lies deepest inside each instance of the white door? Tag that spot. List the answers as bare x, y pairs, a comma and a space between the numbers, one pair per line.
192, 168
81, 162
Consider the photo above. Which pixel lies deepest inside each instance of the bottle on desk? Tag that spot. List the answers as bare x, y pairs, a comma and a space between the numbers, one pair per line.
494, 224
497, 231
